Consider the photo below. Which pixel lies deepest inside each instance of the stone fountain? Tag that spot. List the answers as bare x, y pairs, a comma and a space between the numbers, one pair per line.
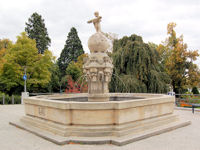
99, 117
98, 67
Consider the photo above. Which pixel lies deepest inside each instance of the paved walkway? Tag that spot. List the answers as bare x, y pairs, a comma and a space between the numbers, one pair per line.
12, 138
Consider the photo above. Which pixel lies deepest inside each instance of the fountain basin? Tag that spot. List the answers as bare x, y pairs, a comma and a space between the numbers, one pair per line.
140, 107
127, 117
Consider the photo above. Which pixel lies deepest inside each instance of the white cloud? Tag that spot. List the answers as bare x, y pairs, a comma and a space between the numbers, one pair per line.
146, 18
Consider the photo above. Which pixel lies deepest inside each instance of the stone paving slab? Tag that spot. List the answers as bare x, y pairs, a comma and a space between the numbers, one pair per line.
12, 138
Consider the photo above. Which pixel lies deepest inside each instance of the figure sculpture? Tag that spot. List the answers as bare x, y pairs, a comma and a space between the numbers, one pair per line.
96, 21
109, 36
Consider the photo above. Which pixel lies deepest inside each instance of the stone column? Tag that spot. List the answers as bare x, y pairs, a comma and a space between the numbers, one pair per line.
24, 95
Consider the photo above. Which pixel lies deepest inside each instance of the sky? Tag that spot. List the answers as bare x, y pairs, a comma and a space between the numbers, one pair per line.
147, 18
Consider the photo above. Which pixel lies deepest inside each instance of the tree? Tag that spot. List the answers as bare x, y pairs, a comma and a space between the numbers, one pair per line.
80, 61
137, 67
36, 29
55, 84
72, 49
71, 86
2, 54
178, 61
4, 44
195, 90
74, 71
74, 75
24, 54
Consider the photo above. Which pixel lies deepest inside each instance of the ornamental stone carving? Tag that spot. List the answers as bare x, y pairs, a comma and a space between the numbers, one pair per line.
98, 66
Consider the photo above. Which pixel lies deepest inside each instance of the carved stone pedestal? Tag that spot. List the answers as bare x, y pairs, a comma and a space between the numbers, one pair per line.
98, 68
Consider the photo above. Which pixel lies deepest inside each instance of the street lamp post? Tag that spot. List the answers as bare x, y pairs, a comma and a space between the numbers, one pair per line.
25, 78
25, 94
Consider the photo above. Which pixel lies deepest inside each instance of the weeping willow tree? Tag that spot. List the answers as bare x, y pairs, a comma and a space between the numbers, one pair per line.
137, 67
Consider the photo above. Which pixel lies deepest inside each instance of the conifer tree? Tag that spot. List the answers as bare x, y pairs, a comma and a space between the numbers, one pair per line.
72, 49
195, 90
36, 29
137, 67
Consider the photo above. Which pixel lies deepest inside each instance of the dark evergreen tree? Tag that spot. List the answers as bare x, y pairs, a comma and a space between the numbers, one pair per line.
195, 90
72, 49
137, 67
55, 83
36, 29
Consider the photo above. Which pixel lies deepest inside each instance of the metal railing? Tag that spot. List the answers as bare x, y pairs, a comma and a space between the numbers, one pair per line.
186, 100
14, 99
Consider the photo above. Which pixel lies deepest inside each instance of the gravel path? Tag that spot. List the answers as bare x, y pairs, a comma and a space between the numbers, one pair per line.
12, 138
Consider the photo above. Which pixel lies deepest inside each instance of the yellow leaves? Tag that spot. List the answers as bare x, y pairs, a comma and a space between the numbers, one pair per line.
5, 43
2, 52
80, 60
193, 55
170, 27
161, 49
25, 54
2, 60
193, 77
178, 60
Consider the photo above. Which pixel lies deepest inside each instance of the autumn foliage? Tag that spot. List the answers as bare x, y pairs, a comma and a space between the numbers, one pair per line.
14, 58
179, 61
73, 87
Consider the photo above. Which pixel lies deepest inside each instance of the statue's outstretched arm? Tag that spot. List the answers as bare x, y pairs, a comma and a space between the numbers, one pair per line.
90, 21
